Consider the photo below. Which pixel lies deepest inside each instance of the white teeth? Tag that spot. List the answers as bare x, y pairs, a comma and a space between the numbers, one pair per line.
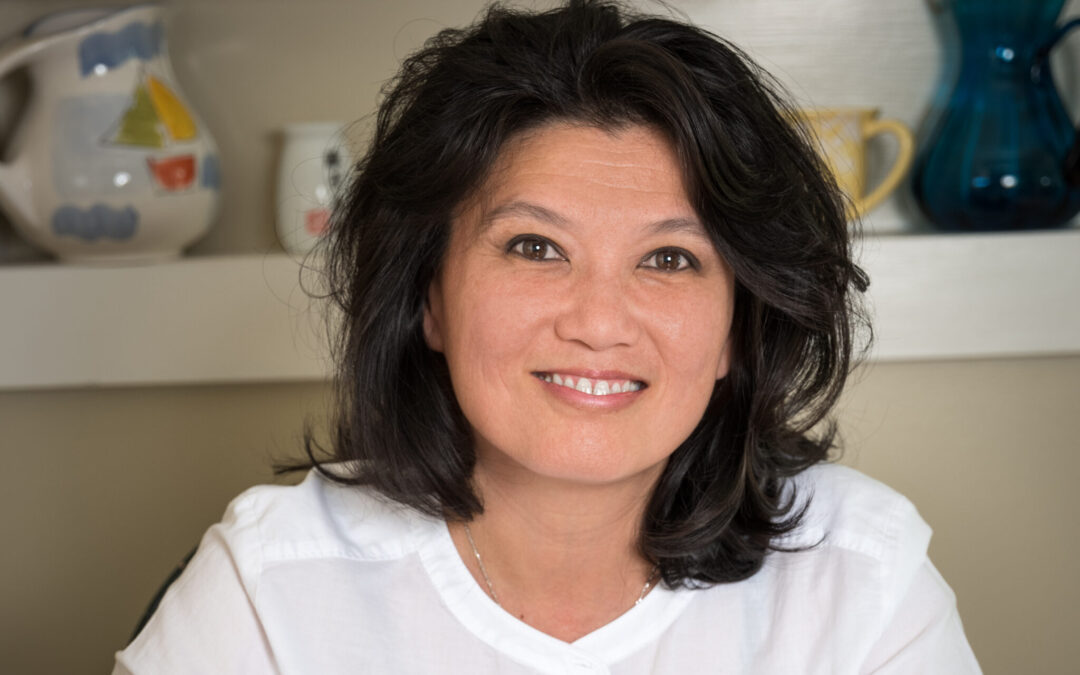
593, 387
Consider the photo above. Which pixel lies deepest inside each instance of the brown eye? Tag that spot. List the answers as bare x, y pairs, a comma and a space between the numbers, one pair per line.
670, 260
534, 248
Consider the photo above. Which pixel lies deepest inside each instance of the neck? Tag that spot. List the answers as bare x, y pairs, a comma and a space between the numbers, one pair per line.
560, 556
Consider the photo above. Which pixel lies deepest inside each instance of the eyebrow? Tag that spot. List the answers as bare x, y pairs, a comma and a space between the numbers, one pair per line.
526, 209
545, 215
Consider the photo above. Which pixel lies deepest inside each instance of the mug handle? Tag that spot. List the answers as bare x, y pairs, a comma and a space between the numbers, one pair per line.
899, 168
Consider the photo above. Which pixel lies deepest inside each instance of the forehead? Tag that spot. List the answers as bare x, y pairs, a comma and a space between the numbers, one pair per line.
632, 156
565, 172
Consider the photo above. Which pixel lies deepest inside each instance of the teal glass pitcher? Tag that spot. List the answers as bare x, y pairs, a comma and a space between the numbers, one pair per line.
1004, 154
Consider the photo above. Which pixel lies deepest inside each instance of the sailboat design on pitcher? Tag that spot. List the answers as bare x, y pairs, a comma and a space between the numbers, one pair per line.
157, 119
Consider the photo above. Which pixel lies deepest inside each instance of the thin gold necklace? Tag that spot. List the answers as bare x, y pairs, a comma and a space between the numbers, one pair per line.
491, 589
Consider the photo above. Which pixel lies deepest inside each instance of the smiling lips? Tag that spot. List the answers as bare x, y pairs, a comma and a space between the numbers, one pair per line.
592, 386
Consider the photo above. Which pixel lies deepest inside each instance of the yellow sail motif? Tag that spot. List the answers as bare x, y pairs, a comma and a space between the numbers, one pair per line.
172, 112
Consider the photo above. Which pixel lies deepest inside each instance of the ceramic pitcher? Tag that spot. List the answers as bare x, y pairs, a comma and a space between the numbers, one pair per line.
109, 162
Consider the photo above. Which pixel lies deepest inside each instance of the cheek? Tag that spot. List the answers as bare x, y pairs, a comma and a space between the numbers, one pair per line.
694, 330
495, 330
492, 323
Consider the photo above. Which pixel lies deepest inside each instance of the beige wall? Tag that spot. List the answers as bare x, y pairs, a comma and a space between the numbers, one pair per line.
104, 491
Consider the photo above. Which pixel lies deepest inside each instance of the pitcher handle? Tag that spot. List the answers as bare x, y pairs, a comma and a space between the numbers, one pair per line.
900, 166
1071, 166
19, 53
13, 197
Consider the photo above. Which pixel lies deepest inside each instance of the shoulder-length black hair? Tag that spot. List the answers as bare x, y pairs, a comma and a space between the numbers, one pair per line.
770, 207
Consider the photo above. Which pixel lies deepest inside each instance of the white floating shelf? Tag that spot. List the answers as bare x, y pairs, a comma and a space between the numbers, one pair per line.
245, 318
975, 295
194, 320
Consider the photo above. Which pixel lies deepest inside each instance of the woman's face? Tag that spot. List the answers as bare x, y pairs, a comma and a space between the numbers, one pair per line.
581, 307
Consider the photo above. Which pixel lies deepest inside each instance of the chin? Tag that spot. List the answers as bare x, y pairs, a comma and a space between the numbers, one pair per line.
601, 464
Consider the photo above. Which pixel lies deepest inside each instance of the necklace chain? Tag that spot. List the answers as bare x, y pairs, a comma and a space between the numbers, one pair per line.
480, 563
491, 589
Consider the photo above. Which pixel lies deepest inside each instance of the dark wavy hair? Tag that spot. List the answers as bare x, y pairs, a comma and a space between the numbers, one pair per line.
770, 207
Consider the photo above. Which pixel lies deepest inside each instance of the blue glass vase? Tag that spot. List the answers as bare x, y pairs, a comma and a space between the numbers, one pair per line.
1003, 154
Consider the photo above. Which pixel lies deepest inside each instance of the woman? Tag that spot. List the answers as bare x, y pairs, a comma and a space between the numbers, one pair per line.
596, 295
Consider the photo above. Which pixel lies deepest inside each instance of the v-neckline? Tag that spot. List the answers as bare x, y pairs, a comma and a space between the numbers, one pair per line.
484, 618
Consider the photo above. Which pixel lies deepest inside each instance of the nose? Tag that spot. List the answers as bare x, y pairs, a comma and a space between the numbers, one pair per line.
597, 311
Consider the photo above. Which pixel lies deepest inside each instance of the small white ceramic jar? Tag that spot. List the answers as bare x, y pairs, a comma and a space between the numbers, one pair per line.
315, 163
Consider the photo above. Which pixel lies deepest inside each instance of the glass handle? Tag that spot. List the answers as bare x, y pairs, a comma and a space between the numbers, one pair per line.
1071, 166
1059, 33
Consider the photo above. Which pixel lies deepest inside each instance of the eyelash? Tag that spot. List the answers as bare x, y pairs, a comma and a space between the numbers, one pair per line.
691, 261
517, 246
518, 243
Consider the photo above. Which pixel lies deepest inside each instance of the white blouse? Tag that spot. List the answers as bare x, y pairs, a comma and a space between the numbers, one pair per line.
320, 578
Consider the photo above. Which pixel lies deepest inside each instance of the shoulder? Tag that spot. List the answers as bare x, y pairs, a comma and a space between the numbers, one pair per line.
867, 564
850, 510
853, 522
226, 609
850, 589
317, 518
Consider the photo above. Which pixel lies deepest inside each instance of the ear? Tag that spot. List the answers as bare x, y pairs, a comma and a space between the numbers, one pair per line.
724, 365
433, 316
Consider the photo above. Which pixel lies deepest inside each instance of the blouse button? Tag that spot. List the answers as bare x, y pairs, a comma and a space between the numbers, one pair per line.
583, 665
